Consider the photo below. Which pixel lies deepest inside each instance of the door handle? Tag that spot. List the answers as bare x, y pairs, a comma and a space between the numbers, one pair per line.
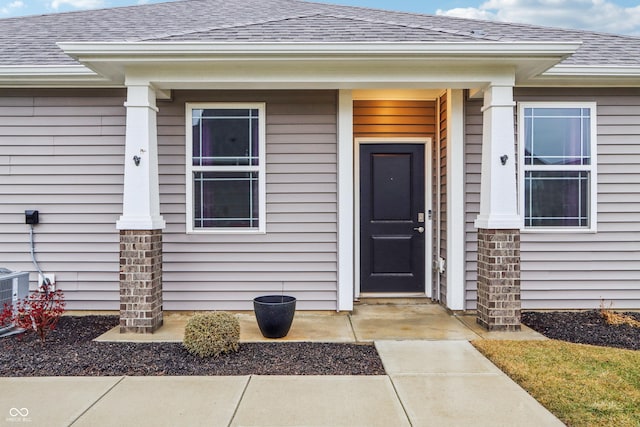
419, 229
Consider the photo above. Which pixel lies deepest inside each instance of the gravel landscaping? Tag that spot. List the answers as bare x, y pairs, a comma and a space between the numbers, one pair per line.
70, 351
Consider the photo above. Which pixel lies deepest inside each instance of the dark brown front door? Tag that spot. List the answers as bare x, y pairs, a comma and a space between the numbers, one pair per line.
392, 218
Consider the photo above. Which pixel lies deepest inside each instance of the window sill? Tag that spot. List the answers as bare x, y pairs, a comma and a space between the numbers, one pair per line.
558, 230
226, 231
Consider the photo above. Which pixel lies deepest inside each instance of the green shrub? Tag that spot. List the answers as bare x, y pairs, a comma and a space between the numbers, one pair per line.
210, 334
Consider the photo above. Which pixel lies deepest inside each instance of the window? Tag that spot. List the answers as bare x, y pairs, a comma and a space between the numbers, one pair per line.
558, 165
225, 167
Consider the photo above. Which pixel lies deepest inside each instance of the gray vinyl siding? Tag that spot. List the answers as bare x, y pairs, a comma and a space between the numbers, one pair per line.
472, 167
579, 270
298, 251
61, 152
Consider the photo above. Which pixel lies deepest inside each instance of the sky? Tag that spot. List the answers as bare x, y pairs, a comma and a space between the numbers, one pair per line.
612, 16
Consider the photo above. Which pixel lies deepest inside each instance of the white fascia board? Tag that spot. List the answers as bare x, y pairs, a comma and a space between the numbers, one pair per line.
588, 75
189, 49
45, 70
397, 94
594, 70
49, 76
328, 74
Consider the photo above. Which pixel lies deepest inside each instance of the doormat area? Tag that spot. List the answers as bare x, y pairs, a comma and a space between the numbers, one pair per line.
70, 351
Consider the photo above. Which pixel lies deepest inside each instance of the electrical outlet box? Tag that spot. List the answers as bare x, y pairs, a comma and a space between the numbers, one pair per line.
42, 283
442, 265
31, 217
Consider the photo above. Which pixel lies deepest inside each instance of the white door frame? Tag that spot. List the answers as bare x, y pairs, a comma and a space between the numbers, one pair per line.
428, 224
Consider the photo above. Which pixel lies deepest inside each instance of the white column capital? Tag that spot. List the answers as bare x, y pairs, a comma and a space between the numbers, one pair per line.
498, 185
498, 96
141, 198
141, 96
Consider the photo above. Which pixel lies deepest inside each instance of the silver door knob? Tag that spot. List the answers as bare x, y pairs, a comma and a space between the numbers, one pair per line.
419, 229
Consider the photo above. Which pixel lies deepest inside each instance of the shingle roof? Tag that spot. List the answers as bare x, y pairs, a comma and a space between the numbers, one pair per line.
314, 28
32, 40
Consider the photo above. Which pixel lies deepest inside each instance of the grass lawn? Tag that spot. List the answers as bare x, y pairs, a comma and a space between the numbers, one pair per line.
582, 385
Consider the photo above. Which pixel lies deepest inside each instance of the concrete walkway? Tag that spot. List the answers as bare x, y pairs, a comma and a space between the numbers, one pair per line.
434, 378
428, 383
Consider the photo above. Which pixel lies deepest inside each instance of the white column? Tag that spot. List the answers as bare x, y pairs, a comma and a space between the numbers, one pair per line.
498, 189
141, 199
345, 202
455, 201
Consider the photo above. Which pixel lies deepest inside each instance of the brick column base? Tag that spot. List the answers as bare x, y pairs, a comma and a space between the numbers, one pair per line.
499, 307
140, 280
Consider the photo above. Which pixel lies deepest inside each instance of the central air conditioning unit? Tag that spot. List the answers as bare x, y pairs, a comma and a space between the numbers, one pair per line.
14, 286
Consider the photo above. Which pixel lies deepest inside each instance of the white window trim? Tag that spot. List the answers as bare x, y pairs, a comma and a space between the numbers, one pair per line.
592, 168
261, 168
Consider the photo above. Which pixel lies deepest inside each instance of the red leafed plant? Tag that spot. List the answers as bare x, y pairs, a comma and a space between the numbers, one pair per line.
39, 312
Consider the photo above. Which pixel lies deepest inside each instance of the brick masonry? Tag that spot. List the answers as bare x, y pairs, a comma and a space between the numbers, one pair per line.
499, 305
140, 280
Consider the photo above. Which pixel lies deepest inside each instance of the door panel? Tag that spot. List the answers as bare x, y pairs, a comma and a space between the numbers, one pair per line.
391, 254
391, 186
392, 194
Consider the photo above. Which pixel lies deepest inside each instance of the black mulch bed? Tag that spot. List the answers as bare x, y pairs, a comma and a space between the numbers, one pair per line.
585, 327
70, 351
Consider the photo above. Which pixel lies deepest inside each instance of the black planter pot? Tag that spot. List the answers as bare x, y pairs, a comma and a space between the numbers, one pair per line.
274, 314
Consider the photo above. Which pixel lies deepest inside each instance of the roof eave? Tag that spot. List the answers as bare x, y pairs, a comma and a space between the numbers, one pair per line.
152, 49
51, 76
113, 59
106, 63
589, 75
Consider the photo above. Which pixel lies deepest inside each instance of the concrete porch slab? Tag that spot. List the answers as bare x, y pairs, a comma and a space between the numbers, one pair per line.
50, 401
172, 330
306, 327
407, 322
367, 323
168, 401
526, 334
320, 401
